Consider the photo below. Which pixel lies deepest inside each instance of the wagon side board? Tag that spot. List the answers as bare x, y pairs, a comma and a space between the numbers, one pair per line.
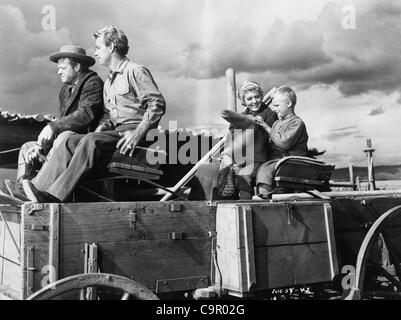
40, 249
164, 246
10, 247
173, 246
270, 245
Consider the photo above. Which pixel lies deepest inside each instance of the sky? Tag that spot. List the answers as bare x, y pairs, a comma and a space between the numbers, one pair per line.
342, 58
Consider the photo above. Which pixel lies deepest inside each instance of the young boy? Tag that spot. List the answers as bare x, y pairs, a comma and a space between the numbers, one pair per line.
288, 137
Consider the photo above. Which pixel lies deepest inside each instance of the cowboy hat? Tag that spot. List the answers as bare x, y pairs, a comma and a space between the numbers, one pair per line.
74, 52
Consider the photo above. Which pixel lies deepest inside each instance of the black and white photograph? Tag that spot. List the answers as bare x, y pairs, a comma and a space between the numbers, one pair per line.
212, 156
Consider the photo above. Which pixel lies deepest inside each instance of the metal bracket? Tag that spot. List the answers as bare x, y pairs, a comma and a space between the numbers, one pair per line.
30, 270
37, 227
35, 207
174, 207
90, 266
180, 284
132, 222
176, 235
290, 212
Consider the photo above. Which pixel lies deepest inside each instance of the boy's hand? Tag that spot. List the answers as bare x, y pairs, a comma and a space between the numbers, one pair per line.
269, 96
259, 120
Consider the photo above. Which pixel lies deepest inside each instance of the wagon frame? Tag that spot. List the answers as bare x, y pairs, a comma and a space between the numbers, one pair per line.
203, 249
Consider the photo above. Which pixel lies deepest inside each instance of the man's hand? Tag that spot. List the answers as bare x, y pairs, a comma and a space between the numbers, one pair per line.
45, 135
34, 152
269, 96
129, 141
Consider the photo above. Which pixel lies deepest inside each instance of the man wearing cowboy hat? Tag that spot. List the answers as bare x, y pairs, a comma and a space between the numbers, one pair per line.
133, 105
81, 107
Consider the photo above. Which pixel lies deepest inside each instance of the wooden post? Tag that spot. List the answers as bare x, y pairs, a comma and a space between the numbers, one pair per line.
351, 176
371, 174
231, 89
232, 105
358, 184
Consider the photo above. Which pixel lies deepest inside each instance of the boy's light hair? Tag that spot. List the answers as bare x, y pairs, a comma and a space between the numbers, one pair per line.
287, 91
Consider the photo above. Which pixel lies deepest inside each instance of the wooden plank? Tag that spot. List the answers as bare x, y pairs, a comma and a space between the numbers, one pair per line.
54, 236
274, 224
145, 261
10, 244
2, 248
328, 215
8, 293
228, 242
248, 262
35, 236
291, 265
97, 222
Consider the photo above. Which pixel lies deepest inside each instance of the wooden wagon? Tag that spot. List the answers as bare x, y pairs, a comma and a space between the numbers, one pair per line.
203, 249
346, 242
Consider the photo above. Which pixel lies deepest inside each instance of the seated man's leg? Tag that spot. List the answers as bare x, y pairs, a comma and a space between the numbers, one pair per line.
60, 140
93, 151
58, 159
26, 170
264, 178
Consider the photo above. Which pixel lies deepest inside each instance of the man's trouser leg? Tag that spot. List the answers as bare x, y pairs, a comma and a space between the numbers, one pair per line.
58, 160
93, 151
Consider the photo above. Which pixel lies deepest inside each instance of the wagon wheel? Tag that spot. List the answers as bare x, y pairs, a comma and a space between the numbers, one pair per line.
378, 227
128, 287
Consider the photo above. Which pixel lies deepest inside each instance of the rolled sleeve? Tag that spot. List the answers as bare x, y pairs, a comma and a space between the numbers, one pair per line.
150, 97
286, 137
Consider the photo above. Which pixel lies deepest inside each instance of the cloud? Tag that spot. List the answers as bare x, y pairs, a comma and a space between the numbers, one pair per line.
376, 111
343, 129
307, 53
240, 50
340, 133
28, 78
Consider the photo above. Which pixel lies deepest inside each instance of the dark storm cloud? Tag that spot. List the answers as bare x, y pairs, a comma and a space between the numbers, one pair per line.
307, 53
376, 111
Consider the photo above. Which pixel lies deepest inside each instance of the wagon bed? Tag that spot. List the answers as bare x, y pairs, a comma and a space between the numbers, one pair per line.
243, 248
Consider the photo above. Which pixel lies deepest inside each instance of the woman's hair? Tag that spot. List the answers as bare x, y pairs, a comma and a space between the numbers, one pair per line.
113, 35
248, 86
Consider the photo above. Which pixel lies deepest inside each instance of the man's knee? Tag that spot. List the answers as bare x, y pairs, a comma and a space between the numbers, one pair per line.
62, 137
265, 173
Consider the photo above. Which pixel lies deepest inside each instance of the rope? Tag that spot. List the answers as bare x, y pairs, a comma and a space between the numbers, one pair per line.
9, 151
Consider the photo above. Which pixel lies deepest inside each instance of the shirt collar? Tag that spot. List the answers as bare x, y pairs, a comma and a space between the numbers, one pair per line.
290, 115
120, 69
